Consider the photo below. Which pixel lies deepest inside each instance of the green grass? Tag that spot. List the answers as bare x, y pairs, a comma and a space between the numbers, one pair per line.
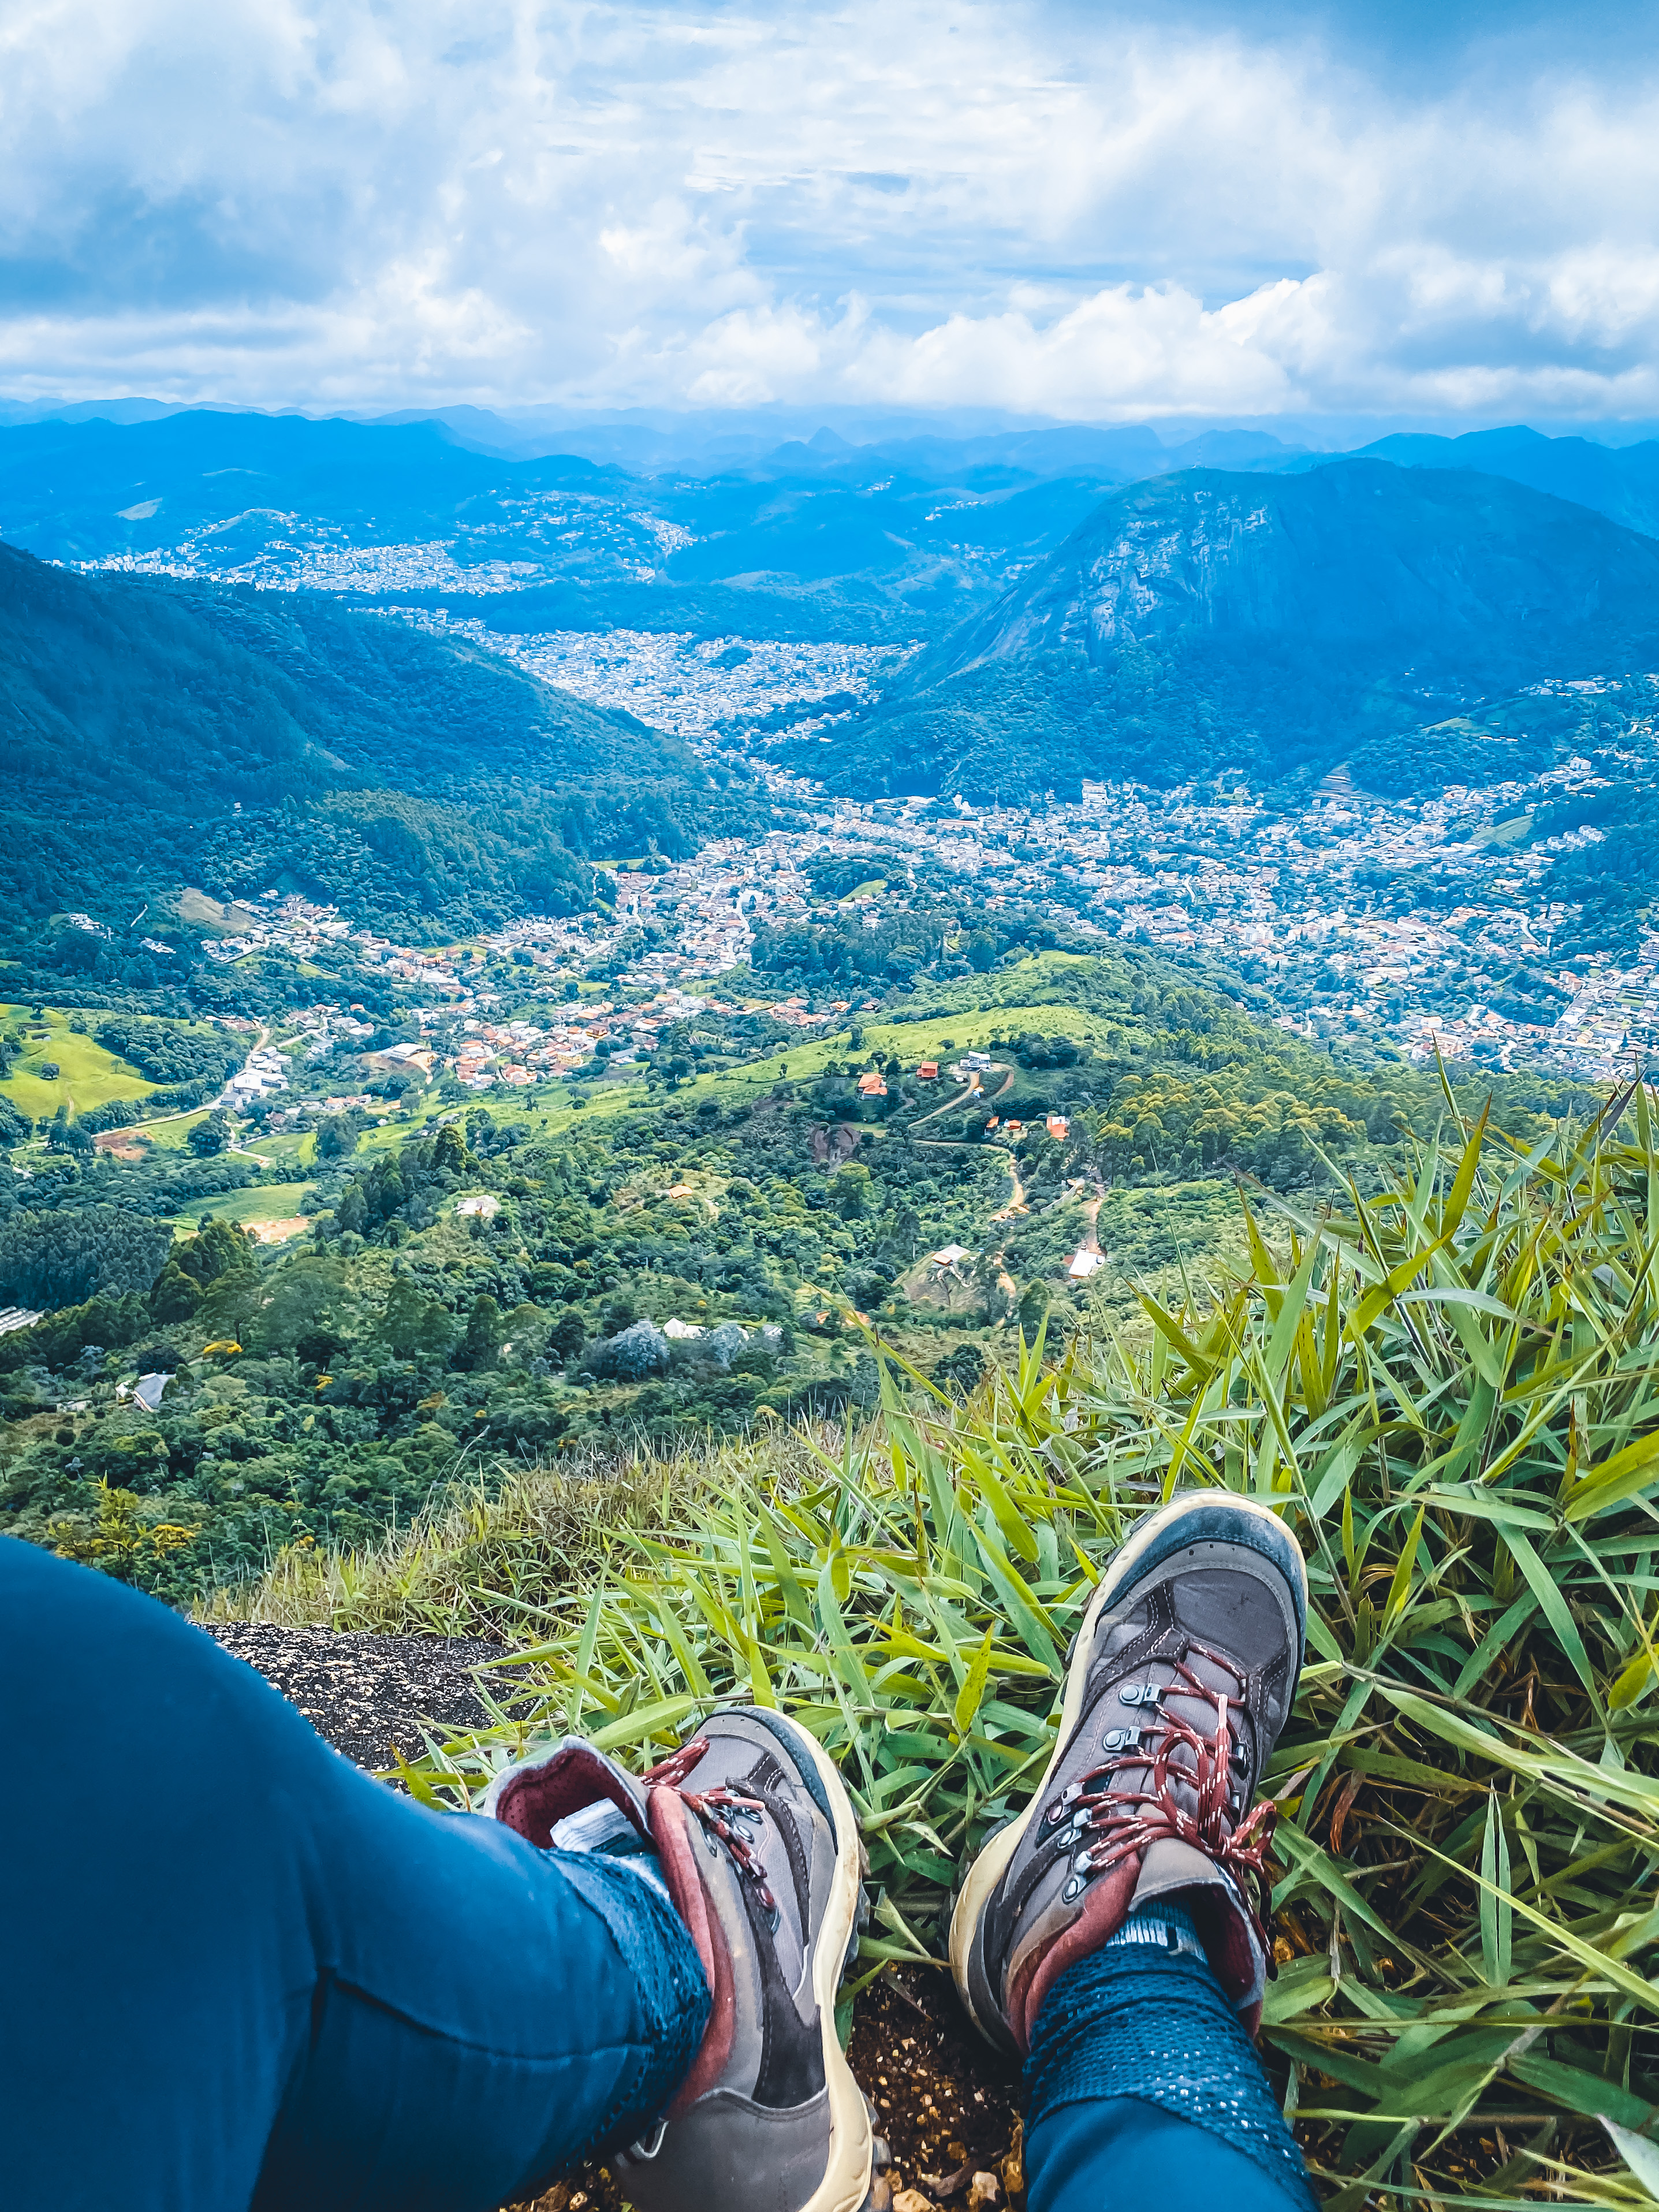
171, 1134
805, 1058
487, 1562
294, 1147
90, 1076
1450, 1392
276, 1201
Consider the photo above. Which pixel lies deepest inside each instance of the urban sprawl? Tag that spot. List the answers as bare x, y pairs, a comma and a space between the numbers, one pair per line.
1283, 900
1297, 903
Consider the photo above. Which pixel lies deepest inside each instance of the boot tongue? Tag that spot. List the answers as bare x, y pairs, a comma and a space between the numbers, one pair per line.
600, 1827
536, 1798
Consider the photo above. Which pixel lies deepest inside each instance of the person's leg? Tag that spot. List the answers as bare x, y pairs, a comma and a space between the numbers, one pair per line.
1140, 2078
241, 1972
1114, 2151
1111, 1932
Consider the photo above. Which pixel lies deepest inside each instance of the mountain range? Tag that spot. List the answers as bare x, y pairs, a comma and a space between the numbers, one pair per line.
892, 540
819, 541
1082, 609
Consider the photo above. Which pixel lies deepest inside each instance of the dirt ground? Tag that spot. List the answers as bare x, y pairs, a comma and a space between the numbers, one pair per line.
946, 2105
369, 1695
278, 1232
121, 1144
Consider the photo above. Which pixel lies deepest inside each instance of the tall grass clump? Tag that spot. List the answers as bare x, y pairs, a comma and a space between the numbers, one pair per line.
485, 1559
1450, 1391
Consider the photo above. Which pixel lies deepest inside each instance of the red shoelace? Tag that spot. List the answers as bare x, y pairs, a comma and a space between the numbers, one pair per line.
1127, 1821
712, 1807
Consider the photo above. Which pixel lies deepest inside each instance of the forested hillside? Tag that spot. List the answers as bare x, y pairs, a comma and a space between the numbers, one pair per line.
159, 733
1207, 620
320, 1386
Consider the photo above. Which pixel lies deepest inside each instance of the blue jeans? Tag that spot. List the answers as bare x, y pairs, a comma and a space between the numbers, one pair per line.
240, 1974
1142, 2088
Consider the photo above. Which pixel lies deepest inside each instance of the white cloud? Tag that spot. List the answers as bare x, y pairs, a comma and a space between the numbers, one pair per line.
1043, 209
1123, 351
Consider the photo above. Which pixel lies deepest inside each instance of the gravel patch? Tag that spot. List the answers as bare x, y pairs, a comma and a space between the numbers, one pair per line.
369, 1695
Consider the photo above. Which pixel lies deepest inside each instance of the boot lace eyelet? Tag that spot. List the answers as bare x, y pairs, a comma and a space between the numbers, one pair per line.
1187, 1787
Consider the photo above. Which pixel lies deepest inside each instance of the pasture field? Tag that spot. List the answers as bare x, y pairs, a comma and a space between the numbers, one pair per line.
88, 1075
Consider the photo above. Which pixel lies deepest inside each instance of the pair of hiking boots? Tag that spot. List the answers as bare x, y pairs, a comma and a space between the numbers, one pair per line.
1177, 1685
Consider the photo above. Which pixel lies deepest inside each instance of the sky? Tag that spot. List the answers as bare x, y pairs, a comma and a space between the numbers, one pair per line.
1067, 211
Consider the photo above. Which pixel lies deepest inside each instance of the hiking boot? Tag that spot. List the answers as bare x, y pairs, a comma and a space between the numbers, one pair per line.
757, 1846
1177, 1687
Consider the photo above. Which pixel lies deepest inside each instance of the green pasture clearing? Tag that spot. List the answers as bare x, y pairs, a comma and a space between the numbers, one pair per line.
271, 1201
292, 1148
805, 1060
170, 1133
909, 1043
90, 1076
194, 905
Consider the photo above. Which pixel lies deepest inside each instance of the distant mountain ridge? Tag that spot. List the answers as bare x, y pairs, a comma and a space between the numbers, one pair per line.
1209, 618
67, 488
1619, 482
812, 538
1356, 549
822, 543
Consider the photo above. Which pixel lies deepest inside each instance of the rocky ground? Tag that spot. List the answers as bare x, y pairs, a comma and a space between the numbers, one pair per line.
944, 2105
371, 1696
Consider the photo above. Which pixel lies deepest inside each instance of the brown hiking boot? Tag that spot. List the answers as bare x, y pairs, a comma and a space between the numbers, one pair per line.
1180, 1680
759, 1848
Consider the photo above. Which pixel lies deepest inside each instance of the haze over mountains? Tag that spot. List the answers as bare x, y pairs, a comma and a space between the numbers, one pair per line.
803, 545
890, 542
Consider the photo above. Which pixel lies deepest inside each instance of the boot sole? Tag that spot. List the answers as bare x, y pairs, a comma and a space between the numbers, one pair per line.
845, 2183
1152, 1542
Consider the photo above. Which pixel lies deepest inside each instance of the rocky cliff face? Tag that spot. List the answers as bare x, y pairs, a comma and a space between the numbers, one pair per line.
1357, 550
1266, 622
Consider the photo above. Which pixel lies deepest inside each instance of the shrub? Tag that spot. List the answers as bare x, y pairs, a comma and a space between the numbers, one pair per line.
726, 1341
639, 1351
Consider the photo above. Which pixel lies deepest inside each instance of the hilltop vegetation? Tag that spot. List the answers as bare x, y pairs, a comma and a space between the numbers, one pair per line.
1448, 1390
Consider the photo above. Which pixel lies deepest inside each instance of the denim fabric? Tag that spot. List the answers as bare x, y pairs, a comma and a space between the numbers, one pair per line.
240, 1974
1107, 2152
1128, 2038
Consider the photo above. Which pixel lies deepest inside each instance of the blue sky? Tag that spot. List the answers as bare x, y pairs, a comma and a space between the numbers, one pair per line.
1421, 211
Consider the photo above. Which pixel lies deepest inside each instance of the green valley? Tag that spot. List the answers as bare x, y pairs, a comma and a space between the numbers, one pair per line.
353, 1313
